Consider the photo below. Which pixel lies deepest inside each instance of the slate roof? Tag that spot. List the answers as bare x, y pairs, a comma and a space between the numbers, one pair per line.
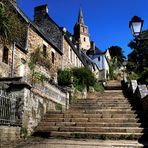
35, 27
97, 51
50, 29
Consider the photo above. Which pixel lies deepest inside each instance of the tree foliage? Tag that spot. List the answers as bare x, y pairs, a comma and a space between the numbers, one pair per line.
37, 58
138, 58
117, 52
12, 27
81, 77
64, 77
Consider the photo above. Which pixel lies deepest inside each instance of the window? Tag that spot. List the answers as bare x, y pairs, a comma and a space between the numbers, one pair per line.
5, 55
71, 54
83, 29
44, 50
98, 58
22, 67
52, 57
84, 39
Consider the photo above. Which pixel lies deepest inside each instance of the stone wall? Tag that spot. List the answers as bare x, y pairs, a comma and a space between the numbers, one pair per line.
9, 133
138, 92
36, 41
37, 102
32, 104
19, 64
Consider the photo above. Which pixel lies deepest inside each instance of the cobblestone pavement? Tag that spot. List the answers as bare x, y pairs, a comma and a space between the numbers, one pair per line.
59, 143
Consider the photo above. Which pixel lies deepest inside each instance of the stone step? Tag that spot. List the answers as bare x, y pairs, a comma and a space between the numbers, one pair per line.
114, 91
100, 105
120, 110
92, 129
89, 100
98, 108
101, 101
96, 135
113, 120
91, 124
113, 87
99, 115
103, 111
38, 142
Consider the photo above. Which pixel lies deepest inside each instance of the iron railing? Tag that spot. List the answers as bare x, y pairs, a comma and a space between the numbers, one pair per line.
8, 109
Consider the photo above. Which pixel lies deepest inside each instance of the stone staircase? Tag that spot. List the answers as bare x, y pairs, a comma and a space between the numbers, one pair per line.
104, 116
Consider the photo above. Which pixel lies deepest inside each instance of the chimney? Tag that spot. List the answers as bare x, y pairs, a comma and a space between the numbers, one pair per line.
93, 45
39, 12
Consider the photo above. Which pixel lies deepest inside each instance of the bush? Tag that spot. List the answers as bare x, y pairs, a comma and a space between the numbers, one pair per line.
83, 77
143, 79
133, 76
98, 87
64, 77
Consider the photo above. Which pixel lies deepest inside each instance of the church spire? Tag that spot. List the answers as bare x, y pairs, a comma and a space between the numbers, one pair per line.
80, 18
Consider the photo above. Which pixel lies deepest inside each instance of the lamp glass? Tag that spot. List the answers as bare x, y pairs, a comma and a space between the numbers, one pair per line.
136, 28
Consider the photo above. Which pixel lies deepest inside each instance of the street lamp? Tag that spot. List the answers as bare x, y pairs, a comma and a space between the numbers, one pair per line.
136, 25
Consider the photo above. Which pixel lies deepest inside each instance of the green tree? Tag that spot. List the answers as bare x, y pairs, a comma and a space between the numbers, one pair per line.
4, 23
83, 77
12, 26
137, 59
64, 77
116, 52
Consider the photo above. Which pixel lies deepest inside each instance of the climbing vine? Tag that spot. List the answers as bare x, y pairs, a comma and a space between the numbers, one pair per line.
37, 58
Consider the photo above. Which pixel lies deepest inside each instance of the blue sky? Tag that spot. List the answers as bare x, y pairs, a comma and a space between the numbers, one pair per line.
107, 19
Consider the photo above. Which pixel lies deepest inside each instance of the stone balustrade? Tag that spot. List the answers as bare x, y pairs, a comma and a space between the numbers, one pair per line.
139, 92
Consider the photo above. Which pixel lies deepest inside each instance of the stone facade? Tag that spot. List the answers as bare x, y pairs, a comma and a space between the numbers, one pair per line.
70, 58
34, 102
81, 33
19, 64
37, 102
8, 133
35, 40
36, 99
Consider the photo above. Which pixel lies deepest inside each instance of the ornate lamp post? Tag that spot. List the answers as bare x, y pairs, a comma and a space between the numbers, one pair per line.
136, 25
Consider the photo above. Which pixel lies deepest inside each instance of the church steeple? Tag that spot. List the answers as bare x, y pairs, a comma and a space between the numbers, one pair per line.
80, 17
81, 32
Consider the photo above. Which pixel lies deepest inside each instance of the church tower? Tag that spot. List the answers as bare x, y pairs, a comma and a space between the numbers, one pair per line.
81, 33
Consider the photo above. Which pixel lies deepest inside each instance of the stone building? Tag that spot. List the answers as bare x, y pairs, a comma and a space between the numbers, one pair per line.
33, 99
30, 82
101, 59
96, 56
81, 33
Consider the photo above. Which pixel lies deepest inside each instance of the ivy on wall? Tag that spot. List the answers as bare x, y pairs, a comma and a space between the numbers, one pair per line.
37, 58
